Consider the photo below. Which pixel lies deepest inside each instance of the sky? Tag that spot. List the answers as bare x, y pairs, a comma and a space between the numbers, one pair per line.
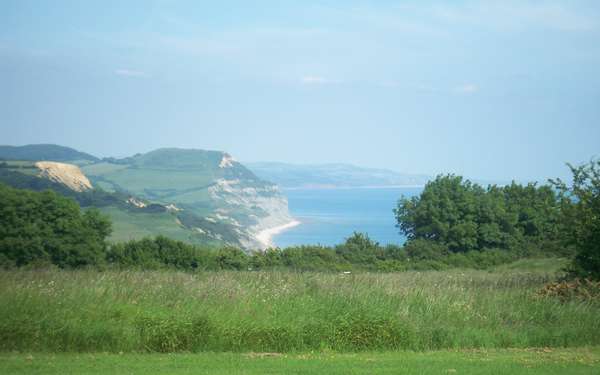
487, 89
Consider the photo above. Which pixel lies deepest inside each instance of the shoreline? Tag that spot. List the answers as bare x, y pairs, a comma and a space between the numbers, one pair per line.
329, 187
265, 236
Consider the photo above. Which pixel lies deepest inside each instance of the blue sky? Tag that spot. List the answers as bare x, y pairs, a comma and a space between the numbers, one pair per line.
487, 89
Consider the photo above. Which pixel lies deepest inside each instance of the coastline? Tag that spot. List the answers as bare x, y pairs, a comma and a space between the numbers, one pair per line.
265, 236
335, 187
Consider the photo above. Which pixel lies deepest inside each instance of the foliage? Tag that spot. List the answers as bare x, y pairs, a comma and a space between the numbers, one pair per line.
231, 258
462, 216
360, 249
47, 227
581, 218
154, 254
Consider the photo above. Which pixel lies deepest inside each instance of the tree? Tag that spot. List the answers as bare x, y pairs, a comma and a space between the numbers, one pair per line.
445, 213
47, 227
463, 216
581, 217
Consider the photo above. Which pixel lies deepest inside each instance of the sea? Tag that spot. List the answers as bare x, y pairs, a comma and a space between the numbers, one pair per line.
329, 216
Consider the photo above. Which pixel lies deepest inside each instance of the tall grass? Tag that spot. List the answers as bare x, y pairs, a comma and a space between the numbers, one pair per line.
134, 311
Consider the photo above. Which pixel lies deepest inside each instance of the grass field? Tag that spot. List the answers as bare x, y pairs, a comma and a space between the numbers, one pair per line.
170, 185
129, 311
509, 362
134, 226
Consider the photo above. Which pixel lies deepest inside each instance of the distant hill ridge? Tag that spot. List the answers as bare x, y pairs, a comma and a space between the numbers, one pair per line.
332, 175
46, 152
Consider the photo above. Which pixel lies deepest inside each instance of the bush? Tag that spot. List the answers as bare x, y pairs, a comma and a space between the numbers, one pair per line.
361, 250
160, 252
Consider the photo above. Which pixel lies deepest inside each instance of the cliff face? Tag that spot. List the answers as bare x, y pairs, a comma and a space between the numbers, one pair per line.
263, 207
66, 174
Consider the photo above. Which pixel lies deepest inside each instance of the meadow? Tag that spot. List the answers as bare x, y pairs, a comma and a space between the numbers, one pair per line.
56, 311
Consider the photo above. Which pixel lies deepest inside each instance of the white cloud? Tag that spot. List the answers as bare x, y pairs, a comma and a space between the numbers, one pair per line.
468, 88
316, 80
129, 73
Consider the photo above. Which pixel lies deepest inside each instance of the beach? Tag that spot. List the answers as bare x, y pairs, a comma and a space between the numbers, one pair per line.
265, 236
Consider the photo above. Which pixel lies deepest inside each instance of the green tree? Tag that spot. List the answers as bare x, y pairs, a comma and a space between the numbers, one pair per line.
463, 216
581, 217
47, 227
445, 213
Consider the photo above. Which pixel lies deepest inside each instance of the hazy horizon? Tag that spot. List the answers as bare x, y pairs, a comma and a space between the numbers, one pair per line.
494, 90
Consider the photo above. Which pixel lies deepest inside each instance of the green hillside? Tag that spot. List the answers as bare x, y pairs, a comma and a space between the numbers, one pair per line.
193, 180
45, 152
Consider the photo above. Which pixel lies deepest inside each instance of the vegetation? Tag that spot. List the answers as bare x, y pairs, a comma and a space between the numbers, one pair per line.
454, 216
143, 311
47, 227
579, 361
457, 216
580, 204
358, 253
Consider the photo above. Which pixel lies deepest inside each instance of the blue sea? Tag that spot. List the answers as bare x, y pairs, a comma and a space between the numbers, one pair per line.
329, 216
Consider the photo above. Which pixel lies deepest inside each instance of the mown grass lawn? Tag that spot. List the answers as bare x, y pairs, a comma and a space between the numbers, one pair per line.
513, 362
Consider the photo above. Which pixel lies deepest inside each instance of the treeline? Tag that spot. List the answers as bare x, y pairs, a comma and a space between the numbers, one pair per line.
455, 216
357, 253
